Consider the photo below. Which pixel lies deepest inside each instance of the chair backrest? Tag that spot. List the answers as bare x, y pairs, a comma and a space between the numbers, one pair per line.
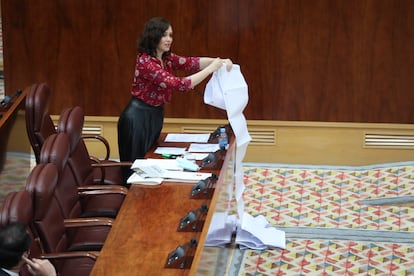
56, 150
48, 219
39, 124
18, 206
71, 122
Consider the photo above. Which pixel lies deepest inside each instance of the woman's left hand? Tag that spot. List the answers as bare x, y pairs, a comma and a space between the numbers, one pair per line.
228, 63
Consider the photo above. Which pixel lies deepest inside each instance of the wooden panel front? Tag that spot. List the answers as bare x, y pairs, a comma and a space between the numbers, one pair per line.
322, 60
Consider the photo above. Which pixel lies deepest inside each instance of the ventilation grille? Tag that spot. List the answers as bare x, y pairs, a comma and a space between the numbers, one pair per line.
92, 130
263, 136
192, 129
259, 136
375, 140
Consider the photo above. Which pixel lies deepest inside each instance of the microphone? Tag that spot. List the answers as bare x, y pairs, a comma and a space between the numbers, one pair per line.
8, 99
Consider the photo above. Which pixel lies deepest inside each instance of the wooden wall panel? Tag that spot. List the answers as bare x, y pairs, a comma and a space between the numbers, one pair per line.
320, 60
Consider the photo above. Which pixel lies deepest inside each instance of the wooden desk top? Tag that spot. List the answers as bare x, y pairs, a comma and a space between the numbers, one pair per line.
145, 230
145, 233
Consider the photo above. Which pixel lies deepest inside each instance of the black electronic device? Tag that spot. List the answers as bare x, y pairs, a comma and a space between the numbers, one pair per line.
194, 220
182, 257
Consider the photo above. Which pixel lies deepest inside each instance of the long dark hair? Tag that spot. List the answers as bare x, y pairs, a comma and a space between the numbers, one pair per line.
153, 31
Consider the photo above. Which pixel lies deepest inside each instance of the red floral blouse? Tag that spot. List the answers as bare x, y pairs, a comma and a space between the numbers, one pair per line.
154, 84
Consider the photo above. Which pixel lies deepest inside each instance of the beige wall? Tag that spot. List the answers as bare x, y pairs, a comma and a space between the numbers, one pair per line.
273, 141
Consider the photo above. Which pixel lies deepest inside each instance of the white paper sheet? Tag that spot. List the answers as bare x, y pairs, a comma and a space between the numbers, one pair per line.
168, 176
166, 164
195, 156
135, 178
170, 150
188, 138
229, 91
256, 233
203, 147
221, 229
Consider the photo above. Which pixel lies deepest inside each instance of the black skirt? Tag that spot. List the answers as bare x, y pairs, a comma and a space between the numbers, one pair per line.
139, 127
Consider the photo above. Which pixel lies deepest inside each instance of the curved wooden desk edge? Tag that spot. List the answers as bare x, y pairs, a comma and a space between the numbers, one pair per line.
6, 123
202, 239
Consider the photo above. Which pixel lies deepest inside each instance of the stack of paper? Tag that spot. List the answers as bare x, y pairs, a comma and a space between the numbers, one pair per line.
135, 178
155, 171
221, 229
254, 232
162, 164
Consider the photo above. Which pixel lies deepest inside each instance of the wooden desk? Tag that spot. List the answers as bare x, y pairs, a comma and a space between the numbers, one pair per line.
8, 117
145, 230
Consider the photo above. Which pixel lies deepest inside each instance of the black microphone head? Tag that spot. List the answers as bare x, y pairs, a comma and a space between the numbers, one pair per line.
6, 100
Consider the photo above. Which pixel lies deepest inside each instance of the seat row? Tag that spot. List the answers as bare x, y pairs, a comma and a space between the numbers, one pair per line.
70, 200
39, 126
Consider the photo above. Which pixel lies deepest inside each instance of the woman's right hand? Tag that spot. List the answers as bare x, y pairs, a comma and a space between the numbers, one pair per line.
209, 65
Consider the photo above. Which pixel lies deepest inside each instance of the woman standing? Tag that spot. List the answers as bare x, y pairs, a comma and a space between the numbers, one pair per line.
140, 124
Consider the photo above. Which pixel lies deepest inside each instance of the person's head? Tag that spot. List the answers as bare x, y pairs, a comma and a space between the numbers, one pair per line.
156, 31
14, 242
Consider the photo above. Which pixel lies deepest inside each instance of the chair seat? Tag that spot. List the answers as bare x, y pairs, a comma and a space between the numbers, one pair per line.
72, 267
101, 206
87, 238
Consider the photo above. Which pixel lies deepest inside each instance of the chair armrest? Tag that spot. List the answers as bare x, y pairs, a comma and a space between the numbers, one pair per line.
114, 164
70, 255
118, 188
101, 139
88, 222
84, 193
96, 164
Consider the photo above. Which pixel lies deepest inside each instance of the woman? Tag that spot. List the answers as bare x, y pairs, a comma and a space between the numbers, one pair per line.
140, 124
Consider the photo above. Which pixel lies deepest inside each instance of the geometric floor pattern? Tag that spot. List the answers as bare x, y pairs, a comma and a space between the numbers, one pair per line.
330, 198
327, 257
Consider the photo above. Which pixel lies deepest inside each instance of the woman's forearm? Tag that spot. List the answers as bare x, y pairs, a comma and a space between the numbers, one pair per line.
205, 61
208, 66
200, 75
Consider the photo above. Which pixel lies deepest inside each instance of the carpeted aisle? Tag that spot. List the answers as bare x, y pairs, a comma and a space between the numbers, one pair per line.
330, 227
13, 177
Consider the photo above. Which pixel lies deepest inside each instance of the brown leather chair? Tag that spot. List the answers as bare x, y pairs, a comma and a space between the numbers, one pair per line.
55, 150
74, 202
80, 234
39, 124
18, 206
71, 121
